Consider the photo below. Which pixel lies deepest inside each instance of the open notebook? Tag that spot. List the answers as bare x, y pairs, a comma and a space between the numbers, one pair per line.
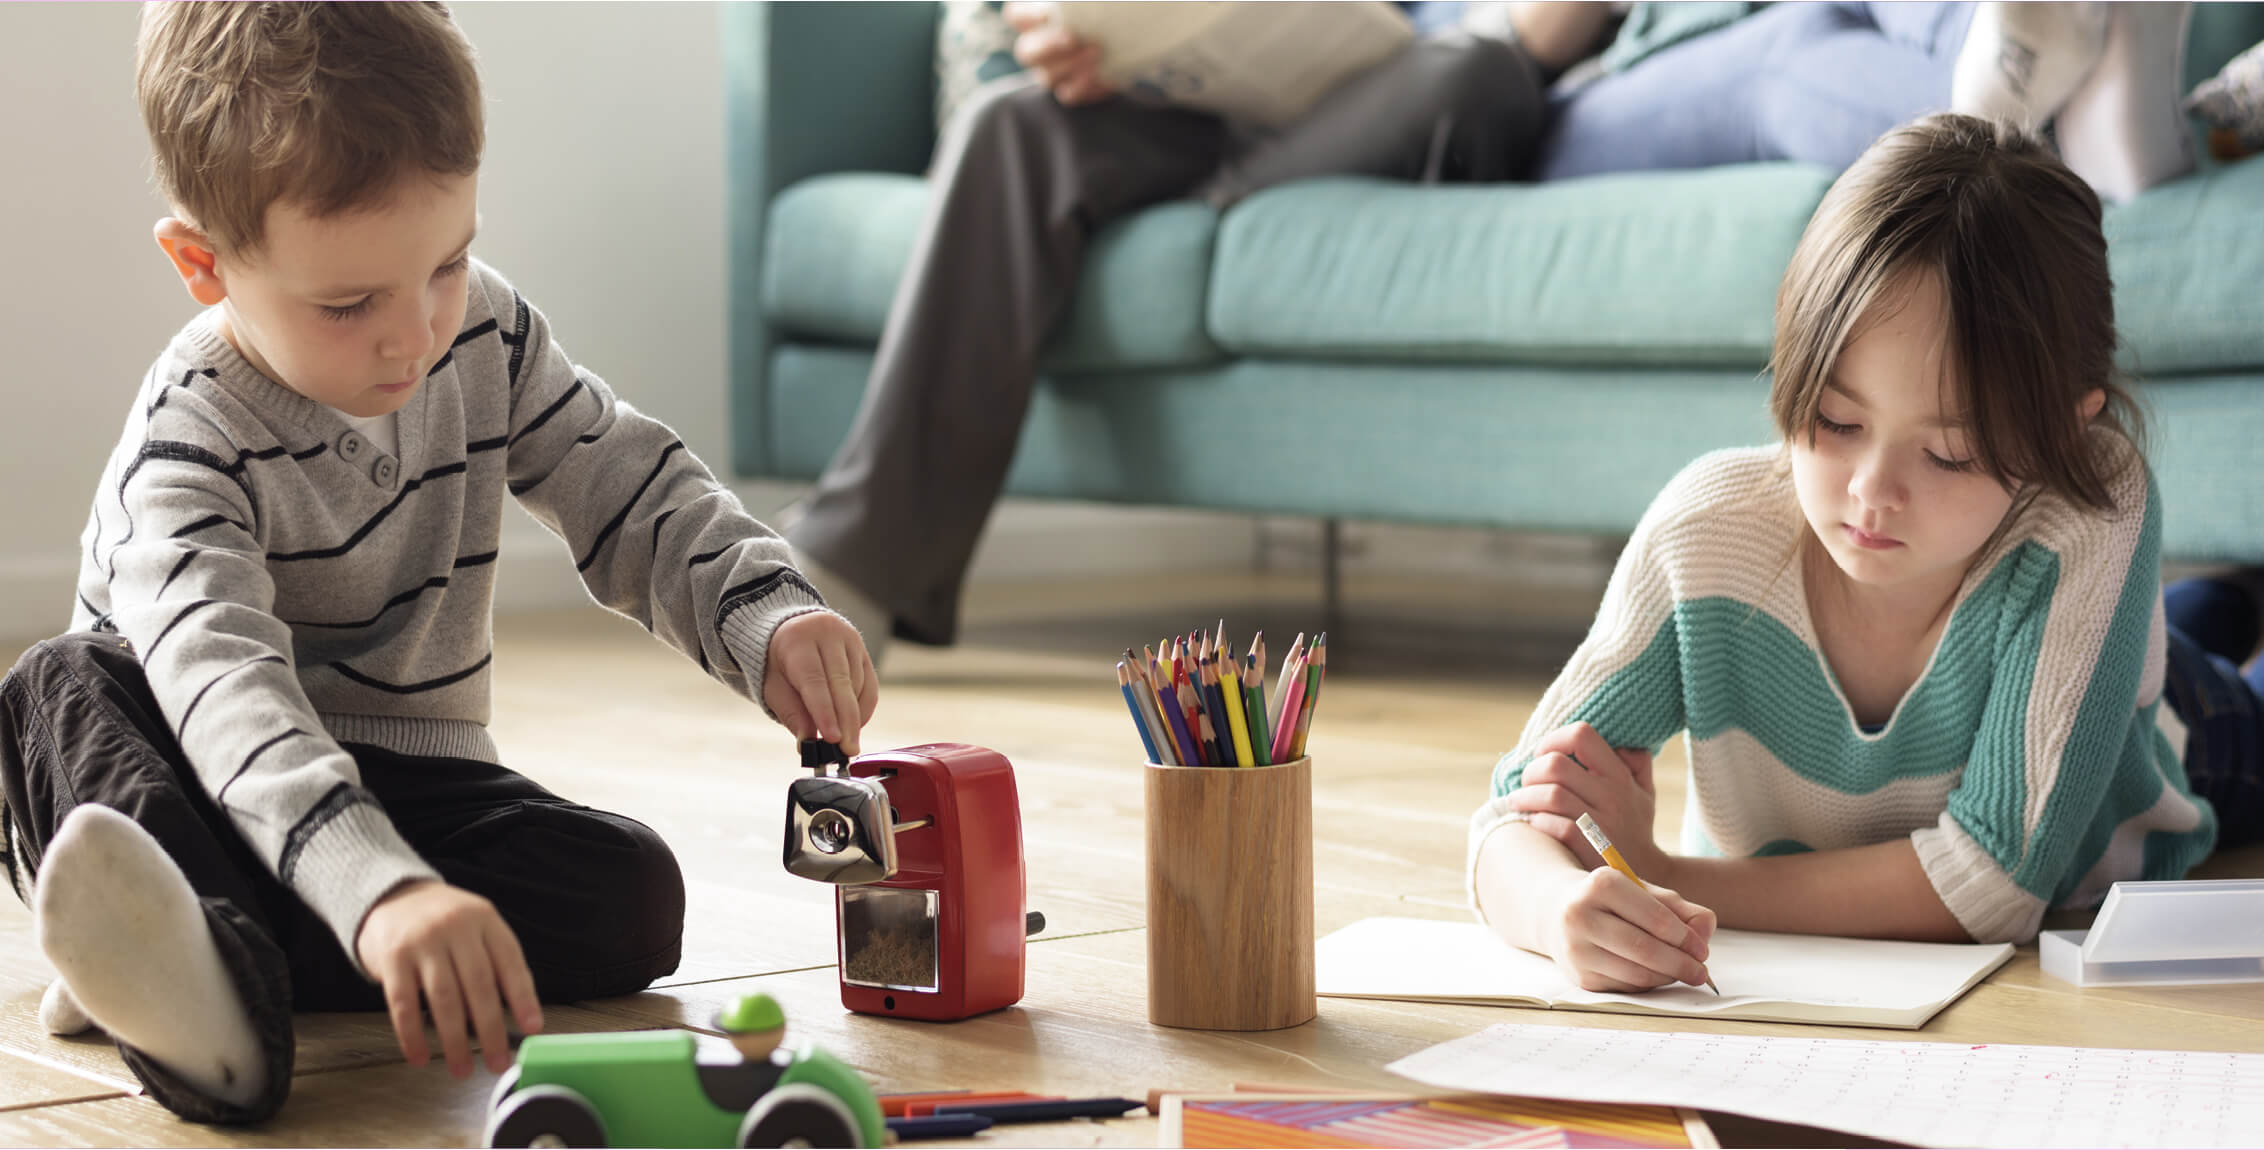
1763, 977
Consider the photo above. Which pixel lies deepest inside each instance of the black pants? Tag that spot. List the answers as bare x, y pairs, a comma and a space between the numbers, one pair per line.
596, 899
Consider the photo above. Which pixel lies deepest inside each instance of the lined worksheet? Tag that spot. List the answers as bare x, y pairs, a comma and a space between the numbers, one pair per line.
1923, 1093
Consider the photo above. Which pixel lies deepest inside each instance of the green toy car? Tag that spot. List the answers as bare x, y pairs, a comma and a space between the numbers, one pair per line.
660, 1088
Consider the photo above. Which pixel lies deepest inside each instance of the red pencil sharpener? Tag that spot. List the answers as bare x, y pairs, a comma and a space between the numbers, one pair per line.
925, 847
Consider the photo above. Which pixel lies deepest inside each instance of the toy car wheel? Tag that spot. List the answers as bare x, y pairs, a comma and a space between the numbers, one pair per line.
799, 1114
545, 1116
505, 1083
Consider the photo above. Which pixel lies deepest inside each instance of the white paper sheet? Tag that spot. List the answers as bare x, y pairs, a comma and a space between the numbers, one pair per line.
1923, 1093
1775, 977
1261, 63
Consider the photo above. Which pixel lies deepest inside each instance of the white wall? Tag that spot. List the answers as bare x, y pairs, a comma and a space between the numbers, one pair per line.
602, 196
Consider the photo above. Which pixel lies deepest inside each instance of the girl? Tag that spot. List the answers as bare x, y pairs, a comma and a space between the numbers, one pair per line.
1919, 649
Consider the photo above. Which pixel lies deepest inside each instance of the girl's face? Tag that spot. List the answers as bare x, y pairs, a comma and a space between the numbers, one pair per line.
1888, 482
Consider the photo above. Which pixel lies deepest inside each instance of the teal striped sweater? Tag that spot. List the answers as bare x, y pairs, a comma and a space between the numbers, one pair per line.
2032, 764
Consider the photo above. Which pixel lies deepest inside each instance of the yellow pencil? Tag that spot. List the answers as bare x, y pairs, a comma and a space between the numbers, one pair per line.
1604, 847
1230, 697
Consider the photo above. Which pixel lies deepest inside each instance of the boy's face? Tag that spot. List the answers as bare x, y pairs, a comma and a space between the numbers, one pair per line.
1889, 483
351, 310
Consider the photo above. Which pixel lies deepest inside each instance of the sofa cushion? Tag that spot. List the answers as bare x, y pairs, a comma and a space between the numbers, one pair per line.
2187, 259
838, 244
1673, 268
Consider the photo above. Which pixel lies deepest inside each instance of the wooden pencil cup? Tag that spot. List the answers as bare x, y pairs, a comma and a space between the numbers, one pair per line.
1230, 896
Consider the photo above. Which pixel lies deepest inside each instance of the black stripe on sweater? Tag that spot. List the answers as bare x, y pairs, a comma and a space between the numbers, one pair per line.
187, 557
408, 596
332, 804
185, 532
191, 609
479, 445
222, 796
516, 338
480, 560
761, 587
178, 452
657, 524
183, 725
622, 516
361, 532
552, 410
449, 679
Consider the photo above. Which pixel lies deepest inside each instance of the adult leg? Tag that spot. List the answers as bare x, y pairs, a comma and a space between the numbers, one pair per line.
1019, 186
1461, 108
79, 728
1815, 83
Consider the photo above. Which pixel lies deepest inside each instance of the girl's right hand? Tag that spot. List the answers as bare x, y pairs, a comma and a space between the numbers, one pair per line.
1616, 936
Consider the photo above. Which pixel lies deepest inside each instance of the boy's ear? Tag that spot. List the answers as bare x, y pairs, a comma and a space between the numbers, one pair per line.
2093, 402
193, 257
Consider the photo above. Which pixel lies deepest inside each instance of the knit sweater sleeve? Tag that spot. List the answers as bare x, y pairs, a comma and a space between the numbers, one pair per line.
2075, 664
189, 588
1625, 679
652, 533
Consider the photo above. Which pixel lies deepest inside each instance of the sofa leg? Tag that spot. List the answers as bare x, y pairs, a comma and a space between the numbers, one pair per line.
1332, 574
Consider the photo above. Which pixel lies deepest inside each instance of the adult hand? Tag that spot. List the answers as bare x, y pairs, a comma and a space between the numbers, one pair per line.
1613, 935
443, 945
1069, 67
1577, 772
819, 680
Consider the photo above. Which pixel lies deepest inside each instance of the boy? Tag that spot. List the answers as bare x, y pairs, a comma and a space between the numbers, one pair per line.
256, 776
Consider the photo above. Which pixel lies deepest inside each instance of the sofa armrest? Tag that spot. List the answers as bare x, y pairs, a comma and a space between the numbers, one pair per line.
810, 88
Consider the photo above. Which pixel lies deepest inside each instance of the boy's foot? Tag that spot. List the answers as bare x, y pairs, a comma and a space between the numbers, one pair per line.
125, 929
873, 622
2020, 62
60, 1012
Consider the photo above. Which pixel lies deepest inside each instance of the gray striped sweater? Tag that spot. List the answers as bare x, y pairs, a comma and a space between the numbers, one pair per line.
289, 587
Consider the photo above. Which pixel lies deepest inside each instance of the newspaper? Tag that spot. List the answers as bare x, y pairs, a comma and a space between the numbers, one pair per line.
1258, 63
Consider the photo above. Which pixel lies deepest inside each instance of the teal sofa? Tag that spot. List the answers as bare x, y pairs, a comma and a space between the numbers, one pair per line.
1520, 356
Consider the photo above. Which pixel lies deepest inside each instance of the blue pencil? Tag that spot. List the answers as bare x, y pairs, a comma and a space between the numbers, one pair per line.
1139, 720
939, 1126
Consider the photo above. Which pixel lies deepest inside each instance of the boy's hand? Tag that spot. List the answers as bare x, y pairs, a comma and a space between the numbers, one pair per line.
448, 947
1069, 67
1578, 772
1616, 936
819, 680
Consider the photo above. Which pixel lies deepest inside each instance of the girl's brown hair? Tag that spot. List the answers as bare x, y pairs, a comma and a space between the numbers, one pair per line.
322, 105
2014, 238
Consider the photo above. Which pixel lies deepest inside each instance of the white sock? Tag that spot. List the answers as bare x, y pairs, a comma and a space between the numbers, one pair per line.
873, 622
2123, 129
2020, 61
60, 1012
123, 926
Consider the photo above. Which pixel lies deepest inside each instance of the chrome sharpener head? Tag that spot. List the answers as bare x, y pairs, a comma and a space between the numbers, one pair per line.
839, 829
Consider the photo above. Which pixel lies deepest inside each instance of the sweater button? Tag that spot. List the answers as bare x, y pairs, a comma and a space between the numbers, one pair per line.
350, 446
385, 471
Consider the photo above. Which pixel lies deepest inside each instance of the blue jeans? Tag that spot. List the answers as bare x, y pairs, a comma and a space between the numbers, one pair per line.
1814, 82
2213, 627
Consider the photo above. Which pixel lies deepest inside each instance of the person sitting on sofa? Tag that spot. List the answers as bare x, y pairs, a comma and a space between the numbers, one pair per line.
1024, 175
1703, 84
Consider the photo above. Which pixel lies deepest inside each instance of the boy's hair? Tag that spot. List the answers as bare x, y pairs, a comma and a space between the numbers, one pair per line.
326, 106
2014, 238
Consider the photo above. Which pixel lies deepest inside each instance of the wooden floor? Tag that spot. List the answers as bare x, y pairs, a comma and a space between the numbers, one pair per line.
1418, 706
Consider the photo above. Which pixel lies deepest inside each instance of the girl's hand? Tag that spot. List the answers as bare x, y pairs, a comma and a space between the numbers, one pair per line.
819, 680
1616, 936
1577, 772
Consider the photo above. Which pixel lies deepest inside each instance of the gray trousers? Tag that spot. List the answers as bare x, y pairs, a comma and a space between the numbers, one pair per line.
1020, 184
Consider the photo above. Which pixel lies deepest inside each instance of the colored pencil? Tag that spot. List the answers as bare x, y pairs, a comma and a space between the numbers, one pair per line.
1191, 708
1139, 718
1281, 685
1293, 704
1230, 687
1316, 669
1261, 732
939, 1126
